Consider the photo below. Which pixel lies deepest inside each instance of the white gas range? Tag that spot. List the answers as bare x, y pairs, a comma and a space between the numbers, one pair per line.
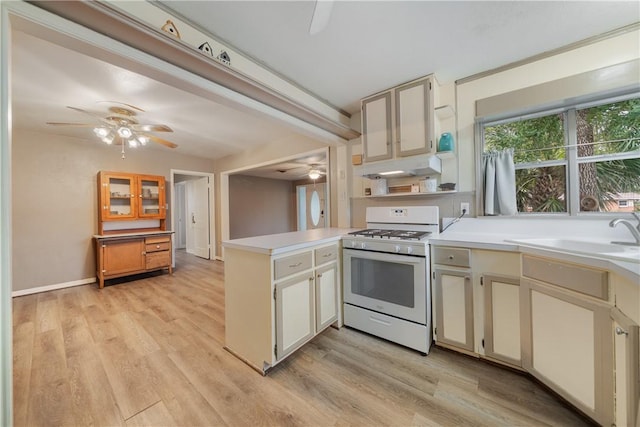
386, 275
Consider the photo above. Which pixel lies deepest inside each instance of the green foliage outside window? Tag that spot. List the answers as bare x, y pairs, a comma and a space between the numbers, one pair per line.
607, 131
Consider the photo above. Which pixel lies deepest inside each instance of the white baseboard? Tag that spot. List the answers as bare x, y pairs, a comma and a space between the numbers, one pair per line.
53, 287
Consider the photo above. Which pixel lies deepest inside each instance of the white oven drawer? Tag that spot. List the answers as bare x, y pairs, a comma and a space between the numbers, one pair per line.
409, 334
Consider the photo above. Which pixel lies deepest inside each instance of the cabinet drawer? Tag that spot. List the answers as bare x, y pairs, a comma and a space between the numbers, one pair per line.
155, 247
327, 254
157, 239
287, 266
456, 257
580, 279
158, 260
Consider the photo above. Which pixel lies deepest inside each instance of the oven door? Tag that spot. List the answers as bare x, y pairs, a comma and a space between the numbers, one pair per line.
387, 283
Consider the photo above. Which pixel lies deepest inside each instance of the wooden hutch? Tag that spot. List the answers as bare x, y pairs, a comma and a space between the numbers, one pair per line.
132, 235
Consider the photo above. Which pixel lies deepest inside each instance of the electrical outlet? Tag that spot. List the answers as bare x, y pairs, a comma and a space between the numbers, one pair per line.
464, 207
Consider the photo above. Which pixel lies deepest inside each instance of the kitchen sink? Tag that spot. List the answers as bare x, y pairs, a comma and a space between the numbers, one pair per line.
585, 247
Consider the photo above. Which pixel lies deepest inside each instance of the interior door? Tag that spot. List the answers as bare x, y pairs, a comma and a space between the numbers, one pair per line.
315, 206
180, 213
198, 221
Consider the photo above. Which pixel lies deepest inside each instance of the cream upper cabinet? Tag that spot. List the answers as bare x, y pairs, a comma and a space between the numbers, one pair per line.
399, 122
376, 127
413, 118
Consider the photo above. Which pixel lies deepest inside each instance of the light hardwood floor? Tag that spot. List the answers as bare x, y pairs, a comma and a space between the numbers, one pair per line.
150, 352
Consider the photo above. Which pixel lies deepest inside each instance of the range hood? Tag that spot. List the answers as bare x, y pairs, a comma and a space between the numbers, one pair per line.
422, 165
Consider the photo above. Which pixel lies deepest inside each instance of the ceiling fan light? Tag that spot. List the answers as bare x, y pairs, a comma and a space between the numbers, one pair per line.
143, 139
132, 143
314, 174
108, 139
124, 132
101, 132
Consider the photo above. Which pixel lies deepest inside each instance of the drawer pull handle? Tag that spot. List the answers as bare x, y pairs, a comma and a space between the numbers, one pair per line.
450, 256
298, 264
327, 255
382, 322
157, 246
620, 331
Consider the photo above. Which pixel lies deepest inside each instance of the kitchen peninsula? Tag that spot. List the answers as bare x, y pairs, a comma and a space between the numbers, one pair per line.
281, 290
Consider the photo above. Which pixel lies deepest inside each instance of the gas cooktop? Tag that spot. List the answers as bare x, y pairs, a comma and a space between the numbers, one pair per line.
376, 233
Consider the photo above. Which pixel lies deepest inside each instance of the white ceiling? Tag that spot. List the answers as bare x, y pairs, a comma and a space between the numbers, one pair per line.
367, 46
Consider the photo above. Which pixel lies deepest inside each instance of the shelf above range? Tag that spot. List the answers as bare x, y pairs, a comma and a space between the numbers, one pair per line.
431, 194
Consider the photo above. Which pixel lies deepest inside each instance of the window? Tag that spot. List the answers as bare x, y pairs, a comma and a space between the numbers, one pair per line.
623, 203
578, 159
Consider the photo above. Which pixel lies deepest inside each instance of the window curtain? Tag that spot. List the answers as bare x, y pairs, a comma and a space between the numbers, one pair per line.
499, 183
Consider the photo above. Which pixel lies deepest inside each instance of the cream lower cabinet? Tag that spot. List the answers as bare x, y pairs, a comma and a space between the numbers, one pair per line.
502, 319
627, 369
454, 308
326, 290
295, 313
275, 304
568, 343
453, 297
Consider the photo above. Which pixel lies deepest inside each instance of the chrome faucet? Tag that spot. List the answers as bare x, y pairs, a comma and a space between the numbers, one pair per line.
635, 230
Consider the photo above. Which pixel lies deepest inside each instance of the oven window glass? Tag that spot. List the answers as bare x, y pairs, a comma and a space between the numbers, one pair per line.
384, 281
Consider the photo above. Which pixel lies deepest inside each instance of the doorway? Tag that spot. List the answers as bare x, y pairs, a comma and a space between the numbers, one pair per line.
311, 206
192, 213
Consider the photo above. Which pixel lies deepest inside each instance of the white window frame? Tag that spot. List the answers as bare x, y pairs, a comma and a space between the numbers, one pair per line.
571, 160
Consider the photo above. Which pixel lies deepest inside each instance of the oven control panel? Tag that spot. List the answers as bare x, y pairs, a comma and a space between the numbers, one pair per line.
415, 249
398, 212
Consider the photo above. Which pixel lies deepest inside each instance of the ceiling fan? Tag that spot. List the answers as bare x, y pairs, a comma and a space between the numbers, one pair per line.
321, 15
120, 126
312, 171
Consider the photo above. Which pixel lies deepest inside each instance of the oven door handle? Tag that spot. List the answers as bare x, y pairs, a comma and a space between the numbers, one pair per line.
382, 256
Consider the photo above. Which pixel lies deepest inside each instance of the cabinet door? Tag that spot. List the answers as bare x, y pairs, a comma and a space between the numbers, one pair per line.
413, 127
295, 315
626, 372
151, 197
118, 196
122, 256
326, 296
502, 318
569, 347
376, 127
454, 308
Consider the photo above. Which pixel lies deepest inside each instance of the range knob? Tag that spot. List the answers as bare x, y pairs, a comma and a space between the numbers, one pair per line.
354, 244
397, 248
363, 245
409, 250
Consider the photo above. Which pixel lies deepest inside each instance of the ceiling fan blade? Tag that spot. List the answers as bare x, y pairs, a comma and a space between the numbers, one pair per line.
82, 125
152, 128
102, 119
122, 103
161, 141
321, 15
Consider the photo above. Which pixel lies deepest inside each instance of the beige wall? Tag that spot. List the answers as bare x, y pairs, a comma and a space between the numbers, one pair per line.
615, 50
54, 201
264, 154
259, 206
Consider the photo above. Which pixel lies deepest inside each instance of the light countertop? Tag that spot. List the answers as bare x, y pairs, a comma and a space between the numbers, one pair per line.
130, 234
274, 244
512, 235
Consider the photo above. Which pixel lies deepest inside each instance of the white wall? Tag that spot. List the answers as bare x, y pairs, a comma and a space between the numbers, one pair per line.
601, 54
